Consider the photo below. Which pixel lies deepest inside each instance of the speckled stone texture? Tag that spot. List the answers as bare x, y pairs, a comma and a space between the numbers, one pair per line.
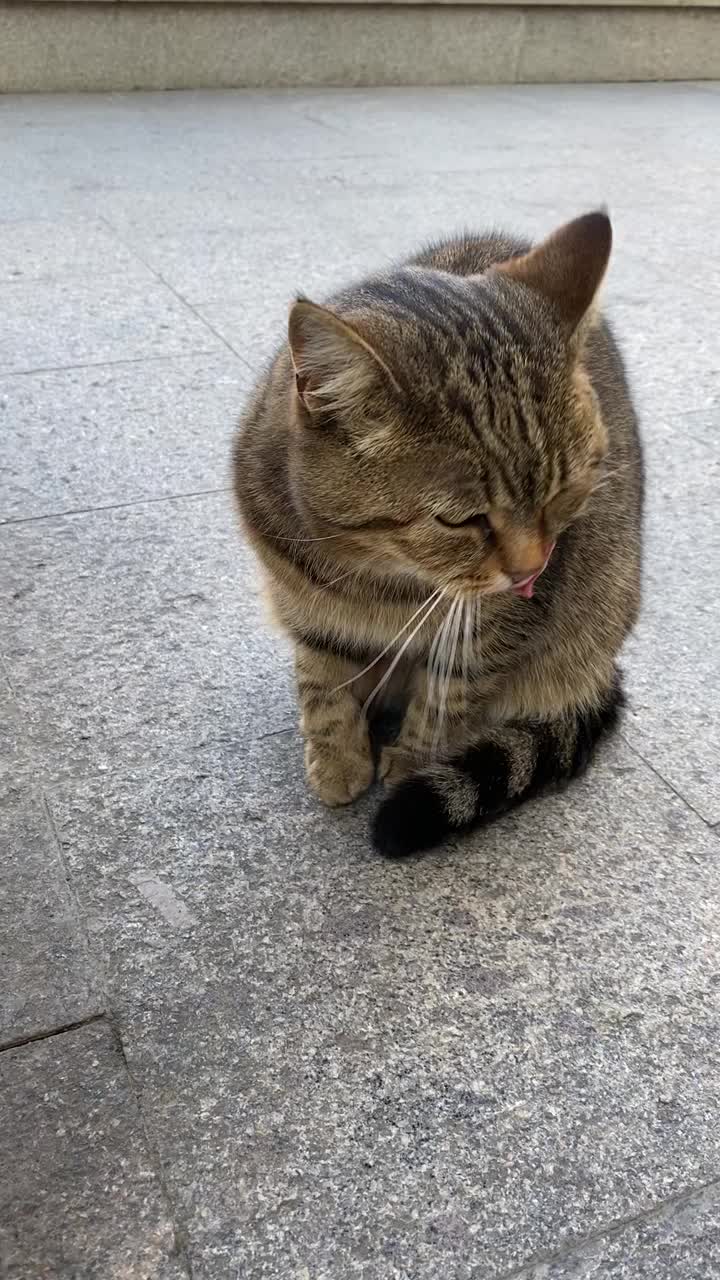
683, 1239
233, 1043
79, 1193
48, 977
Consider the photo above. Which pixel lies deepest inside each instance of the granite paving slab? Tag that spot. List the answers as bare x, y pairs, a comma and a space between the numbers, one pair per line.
135, 633
78, 438
80, 1191
680, 1239
52, 324
444, 1067
49, 977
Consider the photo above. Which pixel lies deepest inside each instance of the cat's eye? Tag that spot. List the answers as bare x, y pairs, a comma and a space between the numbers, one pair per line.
476, 521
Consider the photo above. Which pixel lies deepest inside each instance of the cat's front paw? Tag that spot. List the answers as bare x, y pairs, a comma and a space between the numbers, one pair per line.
396, 765
336, 775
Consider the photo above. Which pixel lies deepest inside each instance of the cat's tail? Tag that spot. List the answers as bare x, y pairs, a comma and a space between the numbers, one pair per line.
512, 763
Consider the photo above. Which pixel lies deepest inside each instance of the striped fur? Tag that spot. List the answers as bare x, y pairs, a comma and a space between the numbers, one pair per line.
509, 764
421, 438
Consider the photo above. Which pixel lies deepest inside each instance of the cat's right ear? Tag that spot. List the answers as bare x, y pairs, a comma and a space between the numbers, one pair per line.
335, 366
568, 267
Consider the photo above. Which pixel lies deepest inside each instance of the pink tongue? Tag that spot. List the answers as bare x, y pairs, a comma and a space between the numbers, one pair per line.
525, 589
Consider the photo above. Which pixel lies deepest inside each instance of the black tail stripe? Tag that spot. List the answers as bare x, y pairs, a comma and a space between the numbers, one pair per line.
415, 816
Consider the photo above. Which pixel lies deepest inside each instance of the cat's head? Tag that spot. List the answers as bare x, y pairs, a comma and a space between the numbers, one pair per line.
443, 425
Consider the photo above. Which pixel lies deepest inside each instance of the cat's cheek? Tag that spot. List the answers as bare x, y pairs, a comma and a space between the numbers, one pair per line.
497, 585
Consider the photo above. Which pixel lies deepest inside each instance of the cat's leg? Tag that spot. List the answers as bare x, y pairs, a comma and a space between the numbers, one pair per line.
507, 765
435, 726
338, 756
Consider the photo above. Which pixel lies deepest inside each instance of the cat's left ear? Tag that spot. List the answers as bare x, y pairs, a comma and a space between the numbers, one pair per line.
568, 267
335, 366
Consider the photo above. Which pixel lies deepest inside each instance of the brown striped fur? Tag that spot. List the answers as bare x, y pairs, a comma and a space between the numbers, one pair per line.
440, 426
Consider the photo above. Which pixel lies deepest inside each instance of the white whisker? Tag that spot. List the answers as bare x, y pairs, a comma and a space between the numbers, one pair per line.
468, 629
433, 663
433, 600
450, 649
433, 667
398, 656
284, 537
350, 573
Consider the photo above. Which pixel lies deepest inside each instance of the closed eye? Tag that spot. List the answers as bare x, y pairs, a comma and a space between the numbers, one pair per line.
380, 523
475, 521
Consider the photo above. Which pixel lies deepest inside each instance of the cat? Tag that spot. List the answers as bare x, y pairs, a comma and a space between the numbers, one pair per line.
442, 477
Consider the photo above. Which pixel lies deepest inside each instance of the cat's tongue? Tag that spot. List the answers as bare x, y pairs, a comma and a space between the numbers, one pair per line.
526, 588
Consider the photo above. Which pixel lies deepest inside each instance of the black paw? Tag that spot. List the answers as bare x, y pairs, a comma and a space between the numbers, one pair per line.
411, 820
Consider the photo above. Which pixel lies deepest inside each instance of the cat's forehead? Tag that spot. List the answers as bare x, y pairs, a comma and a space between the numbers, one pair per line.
471, 473
482, 320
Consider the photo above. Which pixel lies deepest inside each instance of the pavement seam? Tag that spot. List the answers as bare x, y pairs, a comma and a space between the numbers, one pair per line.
94, 956
610, 1231
171, 289
106, 1015
7, 374
274, 733
94, 962
182, 1243
39, 1036
113, 506
665, 781
181, 1248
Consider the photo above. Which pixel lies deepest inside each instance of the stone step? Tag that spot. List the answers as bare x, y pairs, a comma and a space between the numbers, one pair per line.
100, 45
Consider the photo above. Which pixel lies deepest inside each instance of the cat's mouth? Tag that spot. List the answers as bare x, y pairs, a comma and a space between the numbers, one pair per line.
504, 584
526, 587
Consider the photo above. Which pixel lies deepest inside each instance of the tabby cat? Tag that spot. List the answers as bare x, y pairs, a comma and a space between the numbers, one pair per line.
441, 476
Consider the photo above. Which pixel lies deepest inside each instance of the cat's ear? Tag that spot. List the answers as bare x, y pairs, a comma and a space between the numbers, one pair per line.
335, 366
568, 267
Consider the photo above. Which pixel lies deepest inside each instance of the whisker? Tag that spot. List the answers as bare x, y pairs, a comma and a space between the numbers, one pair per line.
433, 663
432, 599
328, 537
283, 537
468, 629
384, 679
450, 651
438, 695
433, 668
356, 571
609, 473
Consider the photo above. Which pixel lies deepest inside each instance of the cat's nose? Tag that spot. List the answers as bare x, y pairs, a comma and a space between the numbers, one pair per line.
533, 570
